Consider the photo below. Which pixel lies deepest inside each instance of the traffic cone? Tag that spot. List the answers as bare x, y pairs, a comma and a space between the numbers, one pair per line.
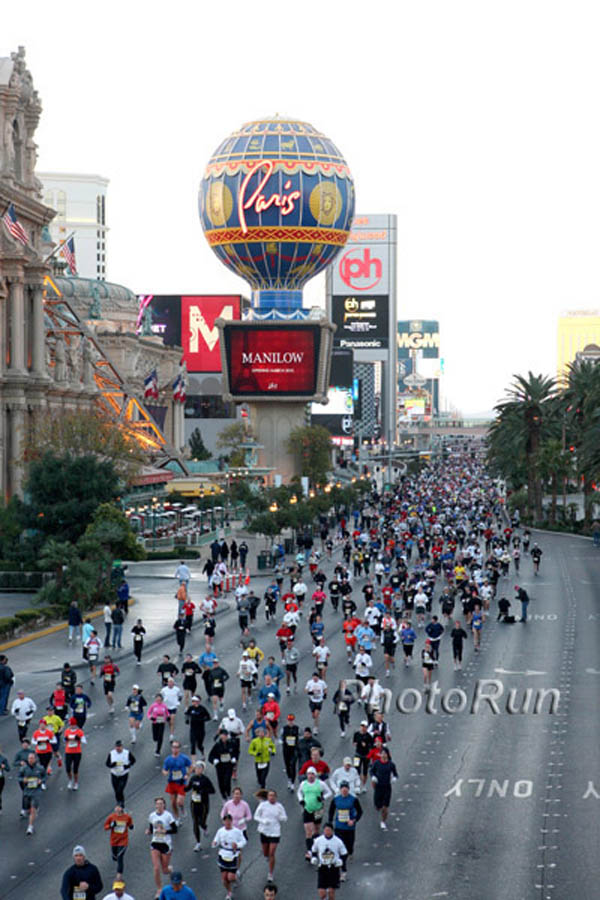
247, 578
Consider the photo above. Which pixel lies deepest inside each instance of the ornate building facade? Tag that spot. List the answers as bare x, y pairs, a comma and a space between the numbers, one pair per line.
51, 361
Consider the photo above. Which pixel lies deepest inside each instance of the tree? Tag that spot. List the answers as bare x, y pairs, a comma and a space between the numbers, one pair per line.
312, 446
197, 447
580, 424
12, 522
90, 434
522, 418
555, 465
230, 438
110, 528
64, 492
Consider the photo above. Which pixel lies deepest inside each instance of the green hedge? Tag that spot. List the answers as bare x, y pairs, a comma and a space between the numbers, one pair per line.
28, 617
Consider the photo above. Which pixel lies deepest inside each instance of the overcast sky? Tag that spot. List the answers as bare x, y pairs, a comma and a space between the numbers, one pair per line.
475, 122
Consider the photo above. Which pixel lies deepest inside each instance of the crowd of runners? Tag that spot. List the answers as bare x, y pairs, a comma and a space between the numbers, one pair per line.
412, 574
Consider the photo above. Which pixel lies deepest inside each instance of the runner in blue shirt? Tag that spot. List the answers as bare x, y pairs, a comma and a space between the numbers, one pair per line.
408, 637
177, 767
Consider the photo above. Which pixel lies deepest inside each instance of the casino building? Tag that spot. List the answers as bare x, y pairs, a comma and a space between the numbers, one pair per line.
51, 361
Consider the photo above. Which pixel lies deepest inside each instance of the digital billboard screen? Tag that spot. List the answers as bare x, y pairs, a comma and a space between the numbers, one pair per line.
266, 361
362, 322
342, 366
188, 321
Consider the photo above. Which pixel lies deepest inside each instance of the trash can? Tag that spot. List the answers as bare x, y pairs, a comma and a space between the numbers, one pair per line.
263, 560
288, 544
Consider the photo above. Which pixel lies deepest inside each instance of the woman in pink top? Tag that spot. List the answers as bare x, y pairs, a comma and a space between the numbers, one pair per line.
240, 813
158, 714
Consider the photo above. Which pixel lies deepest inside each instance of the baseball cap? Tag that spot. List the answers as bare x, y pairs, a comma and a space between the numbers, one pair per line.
118, 884
72, 721
270, 694
78, 849
291, 717
118, 743
135, 687
344, 784
176, 877
311, 769
348, 760
195, 698
364, 722
231, 713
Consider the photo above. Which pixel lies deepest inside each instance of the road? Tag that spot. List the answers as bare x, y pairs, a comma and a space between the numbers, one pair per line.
486, 806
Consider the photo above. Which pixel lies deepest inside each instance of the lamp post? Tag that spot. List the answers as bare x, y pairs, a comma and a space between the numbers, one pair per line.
154, 508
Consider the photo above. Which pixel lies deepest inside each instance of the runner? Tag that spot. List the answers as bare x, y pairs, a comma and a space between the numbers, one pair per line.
327, 853
109, 672
345, 773
22, 709
222, 756
383, 775
342, 702
161, 827
291, 657
312, 795
316, 689
177, 889
138, 631
427, 664
32, 778
119, 761
269, 816
74, 738
119, 823
172, 696
91, 649
191, 670
434, 631
118, 891
177, 766
44, 742
247, 673
82, 880
215, 686
80, 703
321, 654
344, 813
262, 748
229, 841
167, 669
196, 716
476, 626
158, 713
363, 744
289, 737
200, 787
135, 704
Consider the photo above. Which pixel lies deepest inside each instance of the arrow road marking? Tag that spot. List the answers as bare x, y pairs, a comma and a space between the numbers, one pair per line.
527, 672
592, 671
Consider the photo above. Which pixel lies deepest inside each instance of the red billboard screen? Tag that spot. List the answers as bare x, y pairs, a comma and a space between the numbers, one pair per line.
263, 360
199, 335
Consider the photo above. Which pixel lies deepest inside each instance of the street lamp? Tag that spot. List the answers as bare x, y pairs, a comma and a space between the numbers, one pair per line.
273, 507
293, 499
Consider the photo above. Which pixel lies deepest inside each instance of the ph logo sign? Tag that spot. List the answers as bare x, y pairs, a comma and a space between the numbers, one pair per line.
359, 270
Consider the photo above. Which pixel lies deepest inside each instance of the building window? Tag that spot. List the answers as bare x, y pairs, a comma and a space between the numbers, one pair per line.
208, 406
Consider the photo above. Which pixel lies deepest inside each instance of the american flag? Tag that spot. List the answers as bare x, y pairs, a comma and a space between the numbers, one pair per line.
151, 386
14, 226
68, 251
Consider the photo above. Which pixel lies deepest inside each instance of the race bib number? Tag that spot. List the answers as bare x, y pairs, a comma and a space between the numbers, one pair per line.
196, 797
343, 815
108, 677
42, 746
189, 672
32, 783
225, 757
21, 724
290, 741
72, 745
261, 765
119, 828
118, 769
176, 775
217, 683
159, 719
342, 707
134, 706
79, 894
328, 858
270, 715
227, 855
356, 761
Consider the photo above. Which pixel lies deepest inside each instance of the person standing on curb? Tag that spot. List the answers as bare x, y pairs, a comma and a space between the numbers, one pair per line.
82, 879
74, 621
7, 679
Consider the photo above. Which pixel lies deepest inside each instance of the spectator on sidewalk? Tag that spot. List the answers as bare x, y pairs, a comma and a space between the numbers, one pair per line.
74, 621
123, 596
118, 617
7, 679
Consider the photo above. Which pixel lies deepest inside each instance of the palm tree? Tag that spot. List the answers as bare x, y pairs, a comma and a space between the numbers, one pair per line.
582, 394
524, 414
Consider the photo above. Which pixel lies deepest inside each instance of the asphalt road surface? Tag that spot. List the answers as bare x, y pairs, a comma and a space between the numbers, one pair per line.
496, 806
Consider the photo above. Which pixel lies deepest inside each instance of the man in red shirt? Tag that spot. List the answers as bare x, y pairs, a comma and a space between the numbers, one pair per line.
188, 611
272, 713
283, 634
317, 763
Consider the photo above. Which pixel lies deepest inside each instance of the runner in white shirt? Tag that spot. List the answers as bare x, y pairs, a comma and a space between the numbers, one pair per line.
348, 773
22, 709
247, 672
420, 602
229, 841
362, 664
172, 696
270, 815
327, 852
316, 689
321, 654
161, 825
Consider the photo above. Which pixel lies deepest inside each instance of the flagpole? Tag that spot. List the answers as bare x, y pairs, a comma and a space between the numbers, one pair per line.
59, 247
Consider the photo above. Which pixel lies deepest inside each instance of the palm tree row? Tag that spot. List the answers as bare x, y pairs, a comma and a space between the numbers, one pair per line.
547, 433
